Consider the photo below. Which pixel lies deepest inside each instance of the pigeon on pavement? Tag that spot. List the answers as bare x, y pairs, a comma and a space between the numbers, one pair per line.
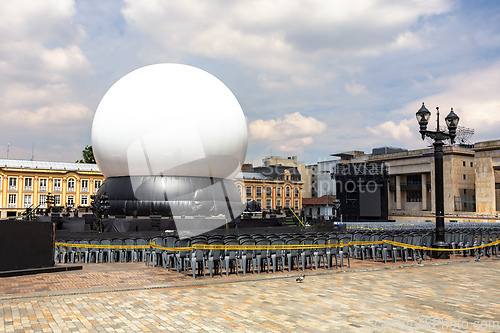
300, 278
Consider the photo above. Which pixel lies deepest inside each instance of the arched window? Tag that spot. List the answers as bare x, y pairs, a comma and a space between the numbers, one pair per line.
71, 184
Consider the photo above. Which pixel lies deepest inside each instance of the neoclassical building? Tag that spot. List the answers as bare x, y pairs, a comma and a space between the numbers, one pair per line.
26, 184
302, 169
471, 182
273, 187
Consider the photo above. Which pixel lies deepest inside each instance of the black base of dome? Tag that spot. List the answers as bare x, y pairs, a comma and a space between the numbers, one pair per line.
171, 196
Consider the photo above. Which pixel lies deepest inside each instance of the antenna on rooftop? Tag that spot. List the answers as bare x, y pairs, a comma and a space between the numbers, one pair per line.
33, 152
8, 148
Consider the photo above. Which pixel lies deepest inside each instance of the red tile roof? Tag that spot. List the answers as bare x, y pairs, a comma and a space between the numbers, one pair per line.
318, 201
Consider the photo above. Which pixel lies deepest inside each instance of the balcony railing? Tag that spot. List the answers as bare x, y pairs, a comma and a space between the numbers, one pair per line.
28, 188
12, 187
85, 189
43, 188
12, 205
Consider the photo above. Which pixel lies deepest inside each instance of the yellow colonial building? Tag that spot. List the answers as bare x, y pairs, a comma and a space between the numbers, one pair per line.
274, 188
26, 184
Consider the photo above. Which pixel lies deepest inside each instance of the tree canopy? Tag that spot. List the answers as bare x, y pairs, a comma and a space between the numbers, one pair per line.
88, 155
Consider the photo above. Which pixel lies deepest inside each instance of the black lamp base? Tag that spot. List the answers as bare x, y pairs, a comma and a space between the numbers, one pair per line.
440, 254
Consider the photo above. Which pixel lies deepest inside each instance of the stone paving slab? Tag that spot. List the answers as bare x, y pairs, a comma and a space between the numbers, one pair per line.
101, 276
370, 297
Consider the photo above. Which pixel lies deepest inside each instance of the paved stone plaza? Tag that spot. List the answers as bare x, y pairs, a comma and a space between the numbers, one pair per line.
368, 297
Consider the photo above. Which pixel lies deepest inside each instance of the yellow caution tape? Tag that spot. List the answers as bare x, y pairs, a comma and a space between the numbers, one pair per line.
436, 249
99, 246
152, 245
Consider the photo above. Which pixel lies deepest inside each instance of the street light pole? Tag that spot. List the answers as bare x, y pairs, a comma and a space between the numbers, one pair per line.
438, 137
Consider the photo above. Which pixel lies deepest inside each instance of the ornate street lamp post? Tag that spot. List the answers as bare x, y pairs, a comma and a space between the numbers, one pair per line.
438, 137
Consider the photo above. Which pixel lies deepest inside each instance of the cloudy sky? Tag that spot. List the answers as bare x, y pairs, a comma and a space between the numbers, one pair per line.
313, 77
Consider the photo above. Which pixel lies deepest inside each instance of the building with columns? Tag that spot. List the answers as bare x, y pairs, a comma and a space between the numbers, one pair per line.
26, 184
411, 186
471, 182
487, 180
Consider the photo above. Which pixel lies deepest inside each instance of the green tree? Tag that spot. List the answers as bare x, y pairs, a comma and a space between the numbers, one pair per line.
88, 155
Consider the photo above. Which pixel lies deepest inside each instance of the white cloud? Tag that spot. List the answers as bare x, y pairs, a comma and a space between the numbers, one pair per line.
295, 144
69, 59
391, 131
354, 88
282, 37
66, 114
40, 42
408, 40
40, 61
293, 132
473, 95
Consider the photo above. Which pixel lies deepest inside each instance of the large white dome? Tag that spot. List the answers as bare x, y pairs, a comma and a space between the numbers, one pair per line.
169, 119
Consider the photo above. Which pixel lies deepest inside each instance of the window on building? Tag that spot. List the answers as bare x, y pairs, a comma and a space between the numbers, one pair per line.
414, 179
12, 203
42, 184
84, 201
13, 184
27, 200
463, 163
57, 200
71, 200
465, 177
1, 181
471, 164
239, 189
413, 196
278, 192
296, 194
287, 192
259, 191
278, 204
259, 201
287, 203
465, 203
268, 191
28, 184
97, 184
249, 191
57, 185
85, 185
296, 205
42, 200
268, 204
71, 184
